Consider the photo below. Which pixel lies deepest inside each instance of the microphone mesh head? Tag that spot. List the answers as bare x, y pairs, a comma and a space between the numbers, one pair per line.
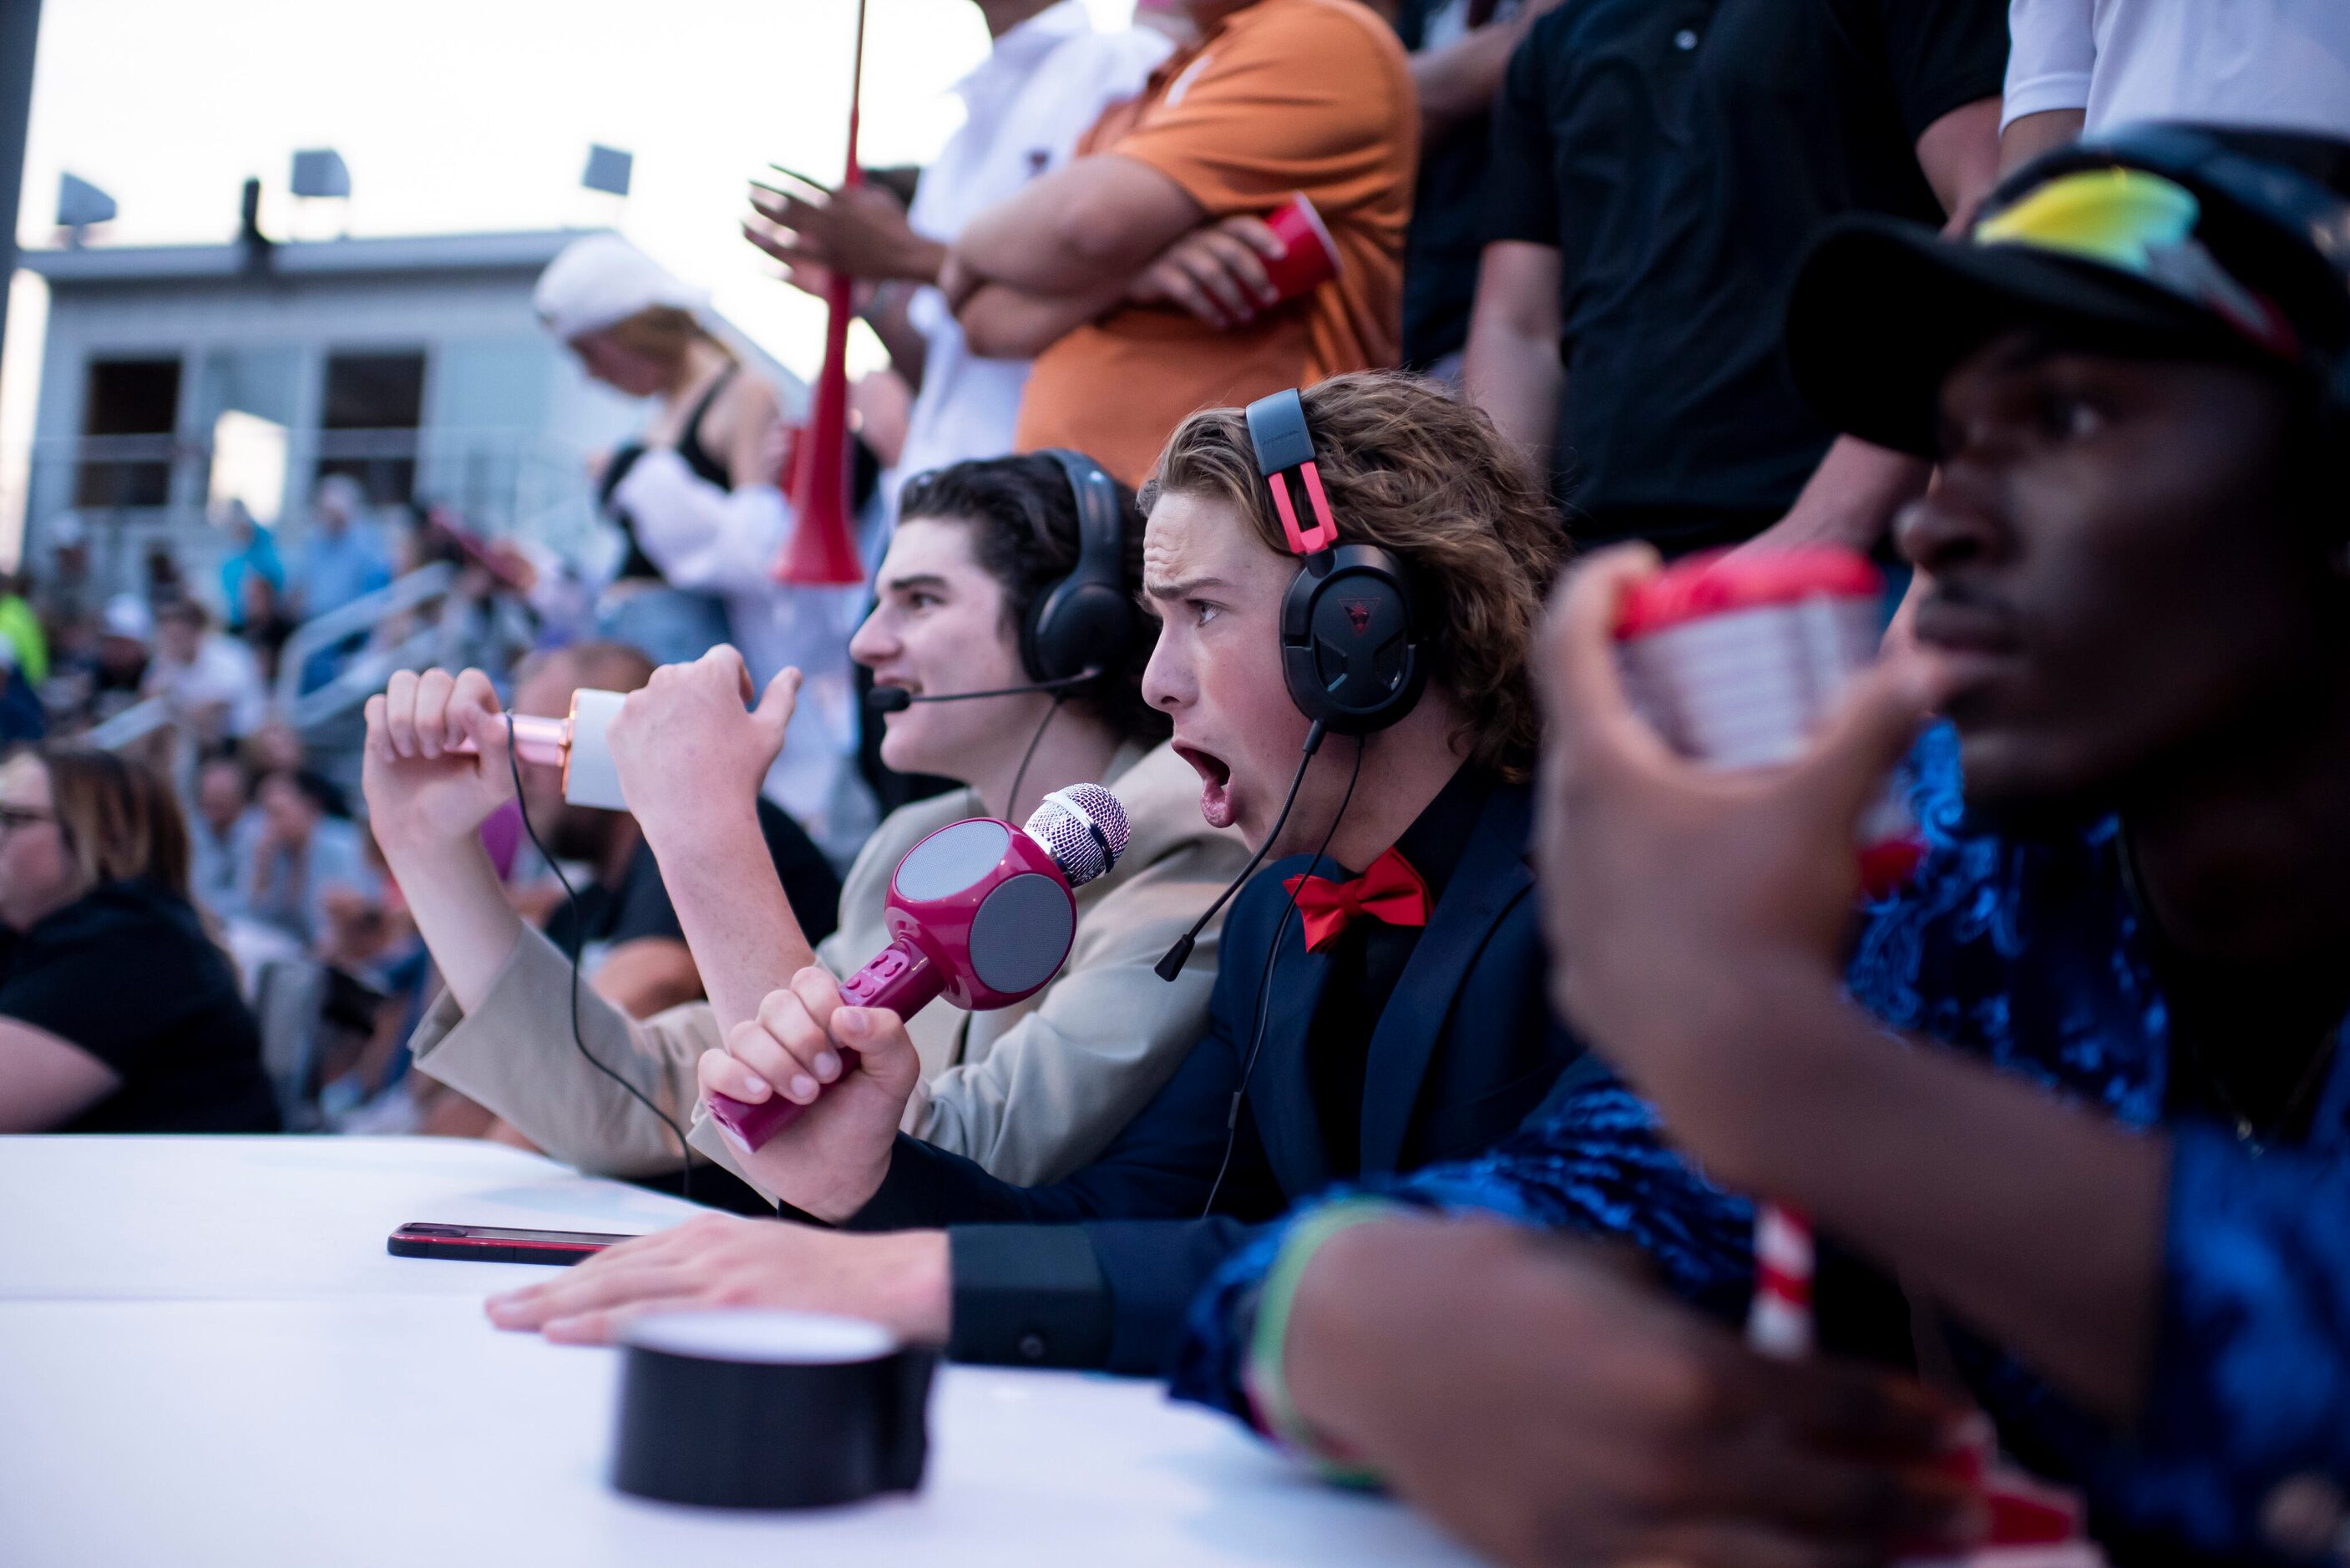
1083, 828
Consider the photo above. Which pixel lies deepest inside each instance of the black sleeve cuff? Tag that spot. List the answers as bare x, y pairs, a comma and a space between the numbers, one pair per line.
790, 1212
909, 1198
1029, 1295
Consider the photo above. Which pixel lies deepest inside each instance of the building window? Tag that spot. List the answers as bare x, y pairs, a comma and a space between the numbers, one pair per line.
368, 419
130, 409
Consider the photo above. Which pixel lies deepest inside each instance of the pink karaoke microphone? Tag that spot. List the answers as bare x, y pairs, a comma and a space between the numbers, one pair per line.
980, 912
1735, 660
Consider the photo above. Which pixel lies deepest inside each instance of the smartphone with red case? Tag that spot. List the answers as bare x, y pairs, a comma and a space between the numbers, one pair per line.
489, 1244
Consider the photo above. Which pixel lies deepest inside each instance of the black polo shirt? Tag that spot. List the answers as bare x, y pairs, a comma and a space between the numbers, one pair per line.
1680, 154
1448, 204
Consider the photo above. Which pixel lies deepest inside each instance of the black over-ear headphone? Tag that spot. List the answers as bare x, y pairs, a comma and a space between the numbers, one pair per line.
1085, 621
1350, 638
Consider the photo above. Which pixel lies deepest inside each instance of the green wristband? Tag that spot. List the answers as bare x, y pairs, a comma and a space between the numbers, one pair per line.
1262, 1375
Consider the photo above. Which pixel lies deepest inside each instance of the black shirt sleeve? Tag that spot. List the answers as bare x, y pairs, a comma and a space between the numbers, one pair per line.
643, 909
1029, 1295
1521, 190
128, 974
1941, 55
810, 885
74, 988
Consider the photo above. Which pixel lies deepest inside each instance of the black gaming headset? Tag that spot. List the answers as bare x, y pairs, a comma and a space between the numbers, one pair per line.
1350, 636
1085, 621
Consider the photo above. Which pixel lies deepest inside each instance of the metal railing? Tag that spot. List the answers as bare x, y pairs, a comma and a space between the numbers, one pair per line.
134, 492
362, 677
133, 724
365, 674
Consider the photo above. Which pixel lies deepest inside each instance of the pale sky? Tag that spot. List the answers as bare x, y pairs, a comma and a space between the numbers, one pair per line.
475, 114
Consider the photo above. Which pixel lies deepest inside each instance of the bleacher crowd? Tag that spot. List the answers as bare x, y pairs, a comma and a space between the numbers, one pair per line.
1437, 1163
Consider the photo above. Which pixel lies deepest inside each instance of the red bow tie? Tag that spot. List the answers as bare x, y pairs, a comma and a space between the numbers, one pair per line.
1390, 892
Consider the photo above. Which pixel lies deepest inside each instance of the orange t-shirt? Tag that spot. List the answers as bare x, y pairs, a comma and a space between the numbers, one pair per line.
1283, 97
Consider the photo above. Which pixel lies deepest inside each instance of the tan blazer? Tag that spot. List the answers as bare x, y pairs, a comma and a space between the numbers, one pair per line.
1029, 1092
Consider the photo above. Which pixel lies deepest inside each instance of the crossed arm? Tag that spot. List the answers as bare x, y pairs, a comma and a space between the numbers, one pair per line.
1066, 248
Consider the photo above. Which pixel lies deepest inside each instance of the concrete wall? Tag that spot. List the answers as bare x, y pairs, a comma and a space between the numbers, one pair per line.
508, 418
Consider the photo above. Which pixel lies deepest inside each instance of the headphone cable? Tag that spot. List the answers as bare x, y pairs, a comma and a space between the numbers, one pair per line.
1171, 965
1264, 978
1012, 801
580, 935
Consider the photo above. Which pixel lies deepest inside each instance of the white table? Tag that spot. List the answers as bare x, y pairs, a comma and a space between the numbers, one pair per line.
269, 1218
207, 1359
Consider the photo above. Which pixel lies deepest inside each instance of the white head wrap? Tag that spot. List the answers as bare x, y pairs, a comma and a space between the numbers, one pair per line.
598, 279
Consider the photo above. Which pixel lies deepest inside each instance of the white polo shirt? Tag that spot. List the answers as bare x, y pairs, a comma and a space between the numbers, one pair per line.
1042, 87
2281, 65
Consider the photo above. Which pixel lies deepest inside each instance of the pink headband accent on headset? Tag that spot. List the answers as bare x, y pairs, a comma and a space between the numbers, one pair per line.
1325, 533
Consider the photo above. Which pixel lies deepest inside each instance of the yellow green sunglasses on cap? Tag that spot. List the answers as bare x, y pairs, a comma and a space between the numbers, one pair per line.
2142, 225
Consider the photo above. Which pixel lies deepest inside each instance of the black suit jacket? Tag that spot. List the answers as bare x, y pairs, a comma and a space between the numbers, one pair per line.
1096, 1269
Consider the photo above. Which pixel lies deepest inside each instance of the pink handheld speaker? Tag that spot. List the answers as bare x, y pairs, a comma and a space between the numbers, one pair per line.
980, 912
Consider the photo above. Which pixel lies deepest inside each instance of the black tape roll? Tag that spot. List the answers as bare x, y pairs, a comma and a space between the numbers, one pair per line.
769, 1409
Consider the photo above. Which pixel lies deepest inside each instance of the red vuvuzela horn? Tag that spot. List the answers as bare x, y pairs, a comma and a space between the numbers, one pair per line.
822, 550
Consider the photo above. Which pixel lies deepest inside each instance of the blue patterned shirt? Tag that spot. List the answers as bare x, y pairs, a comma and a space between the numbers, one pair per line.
2026, 953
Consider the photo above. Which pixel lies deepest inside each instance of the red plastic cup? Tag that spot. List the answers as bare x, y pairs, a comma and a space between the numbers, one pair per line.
1733, 659
1312, 258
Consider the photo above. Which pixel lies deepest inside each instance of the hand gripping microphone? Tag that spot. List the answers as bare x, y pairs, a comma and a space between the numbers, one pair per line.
575, 744
980, 912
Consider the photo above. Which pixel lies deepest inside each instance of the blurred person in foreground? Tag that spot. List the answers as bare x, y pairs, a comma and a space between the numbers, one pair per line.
1048, 76
118, 1013
1029, 1090
701, 518
2112, 1147
1656, 172
1136, 275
